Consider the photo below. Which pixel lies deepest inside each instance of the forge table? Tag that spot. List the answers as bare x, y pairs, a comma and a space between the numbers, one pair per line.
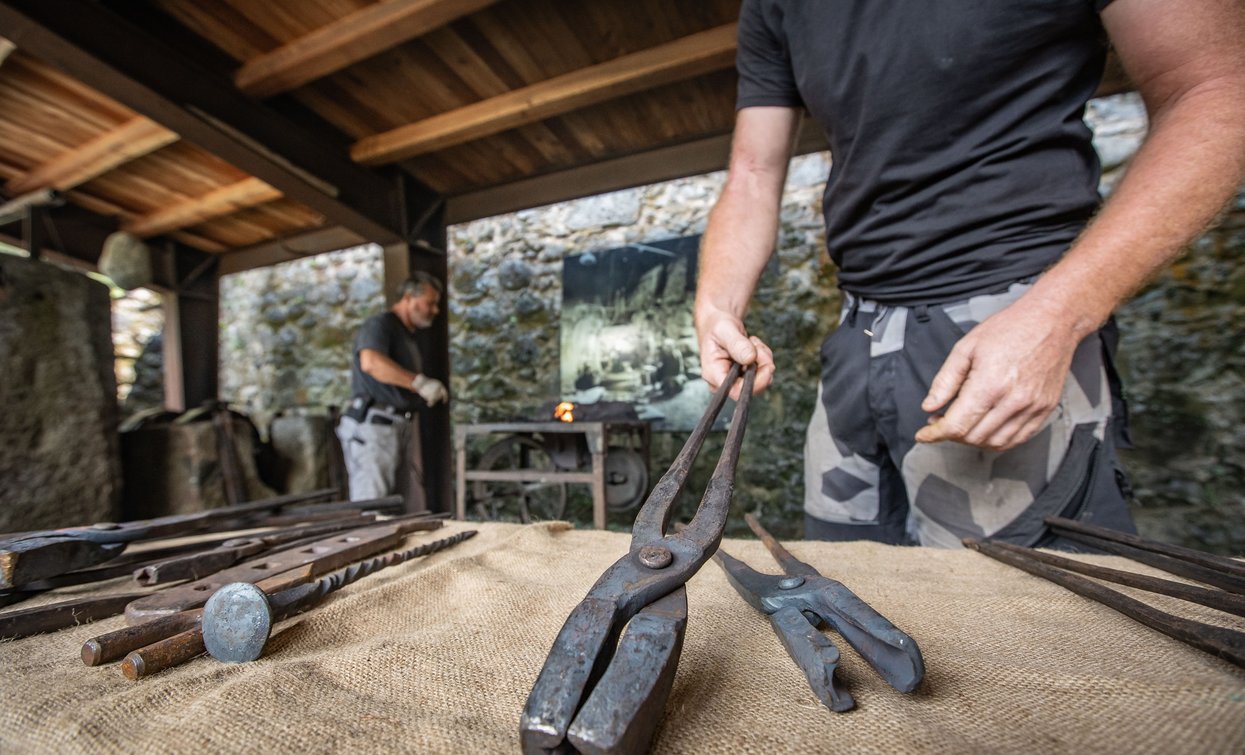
596, 434
438, 655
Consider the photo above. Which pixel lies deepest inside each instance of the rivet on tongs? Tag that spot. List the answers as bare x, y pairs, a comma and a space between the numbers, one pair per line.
655, 556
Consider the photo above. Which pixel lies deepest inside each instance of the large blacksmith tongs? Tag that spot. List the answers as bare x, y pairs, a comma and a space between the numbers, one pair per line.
606, 680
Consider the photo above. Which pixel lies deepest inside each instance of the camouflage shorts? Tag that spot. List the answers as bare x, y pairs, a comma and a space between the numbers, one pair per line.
867, 478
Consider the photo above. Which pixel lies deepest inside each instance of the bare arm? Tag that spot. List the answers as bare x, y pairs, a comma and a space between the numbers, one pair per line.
1188, 61
739, 240
385, 370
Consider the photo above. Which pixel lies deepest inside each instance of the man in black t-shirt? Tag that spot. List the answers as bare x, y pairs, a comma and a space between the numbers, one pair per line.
388, 384
968, 390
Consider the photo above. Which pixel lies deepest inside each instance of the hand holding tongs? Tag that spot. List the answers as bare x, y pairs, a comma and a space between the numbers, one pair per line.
602, 693
798, 603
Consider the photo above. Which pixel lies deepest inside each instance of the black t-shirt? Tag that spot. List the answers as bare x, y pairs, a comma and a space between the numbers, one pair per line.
386, 334
960, 159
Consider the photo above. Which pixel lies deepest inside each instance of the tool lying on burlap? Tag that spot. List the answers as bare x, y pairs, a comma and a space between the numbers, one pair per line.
798, 603
159, 564
153, 554
1220, 571
1225, 643
605, 682
230, 552
158, 640
28, 557
54, 616
239, 617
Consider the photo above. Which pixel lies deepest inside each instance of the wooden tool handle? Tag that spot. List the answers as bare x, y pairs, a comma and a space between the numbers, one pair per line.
164, 654
107, 648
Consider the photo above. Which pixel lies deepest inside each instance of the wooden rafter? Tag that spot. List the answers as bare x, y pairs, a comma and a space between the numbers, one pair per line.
223, 201
133, 139
355, 37
6, 49
674, 61
105, 208
196, 241
157, 78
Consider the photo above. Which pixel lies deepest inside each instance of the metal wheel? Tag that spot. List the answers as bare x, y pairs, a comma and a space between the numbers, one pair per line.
626, 479
528, 501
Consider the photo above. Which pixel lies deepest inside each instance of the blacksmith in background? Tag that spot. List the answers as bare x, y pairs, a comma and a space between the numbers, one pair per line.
388, 388
965, 392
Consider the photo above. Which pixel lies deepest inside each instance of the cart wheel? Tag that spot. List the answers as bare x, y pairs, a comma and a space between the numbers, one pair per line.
530, 501
626, 479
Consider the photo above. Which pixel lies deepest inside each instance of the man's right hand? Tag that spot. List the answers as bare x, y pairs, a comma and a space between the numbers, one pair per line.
429, 389
723, 340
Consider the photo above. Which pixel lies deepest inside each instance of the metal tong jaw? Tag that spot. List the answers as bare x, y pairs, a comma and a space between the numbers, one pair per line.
798, 603
603, 689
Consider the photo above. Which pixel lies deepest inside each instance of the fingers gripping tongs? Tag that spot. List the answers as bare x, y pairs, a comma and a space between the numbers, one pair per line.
603, 687
799, 602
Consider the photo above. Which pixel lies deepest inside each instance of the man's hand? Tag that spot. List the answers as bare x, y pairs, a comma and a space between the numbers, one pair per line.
723, 340
738, 242
429, 389
1005, 376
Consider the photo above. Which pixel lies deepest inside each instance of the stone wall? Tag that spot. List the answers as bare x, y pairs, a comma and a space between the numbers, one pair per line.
59, 463
137, 317
505, 302
137, 323
1182, 358
286, 332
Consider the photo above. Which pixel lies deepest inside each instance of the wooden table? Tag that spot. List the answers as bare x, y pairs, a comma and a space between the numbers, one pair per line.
597, 435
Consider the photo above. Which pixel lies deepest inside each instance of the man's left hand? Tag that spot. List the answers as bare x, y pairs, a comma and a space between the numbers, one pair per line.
1005, 376
431, 390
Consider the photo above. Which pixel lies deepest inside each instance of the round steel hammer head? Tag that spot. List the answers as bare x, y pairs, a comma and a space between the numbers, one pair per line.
236, 622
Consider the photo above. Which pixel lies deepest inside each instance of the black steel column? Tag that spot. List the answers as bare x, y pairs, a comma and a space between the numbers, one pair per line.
434, 345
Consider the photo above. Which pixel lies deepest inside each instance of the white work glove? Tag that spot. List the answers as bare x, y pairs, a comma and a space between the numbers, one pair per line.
429, 389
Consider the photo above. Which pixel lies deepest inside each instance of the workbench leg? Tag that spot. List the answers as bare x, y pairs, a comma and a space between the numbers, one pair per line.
598, 490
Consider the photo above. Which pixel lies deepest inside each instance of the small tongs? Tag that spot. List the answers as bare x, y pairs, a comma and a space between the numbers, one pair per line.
797, 604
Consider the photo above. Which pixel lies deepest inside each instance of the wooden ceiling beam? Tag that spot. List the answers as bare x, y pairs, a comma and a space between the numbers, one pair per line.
118, 214
120, 59
296, 246
358, 36
681, 59
246, 193
641, 169
131, 140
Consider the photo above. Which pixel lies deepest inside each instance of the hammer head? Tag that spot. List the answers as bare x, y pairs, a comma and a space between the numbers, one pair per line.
236, 622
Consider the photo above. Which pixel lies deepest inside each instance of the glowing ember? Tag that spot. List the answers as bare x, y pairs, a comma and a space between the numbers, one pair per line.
565, 411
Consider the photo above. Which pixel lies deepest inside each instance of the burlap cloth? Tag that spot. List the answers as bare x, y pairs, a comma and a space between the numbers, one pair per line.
438, 655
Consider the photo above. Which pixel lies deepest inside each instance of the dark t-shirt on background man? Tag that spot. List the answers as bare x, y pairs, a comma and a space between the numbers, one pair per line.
386, 334
961, 160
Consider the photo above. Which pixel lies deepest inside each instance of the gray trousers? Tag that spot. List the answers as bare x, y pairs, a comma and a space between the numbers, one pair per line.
867, 478
376, 454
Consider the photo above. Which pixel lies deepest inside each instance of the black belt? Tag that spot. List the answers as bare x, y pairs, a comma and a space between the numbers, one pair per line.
376, 415
372, 412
